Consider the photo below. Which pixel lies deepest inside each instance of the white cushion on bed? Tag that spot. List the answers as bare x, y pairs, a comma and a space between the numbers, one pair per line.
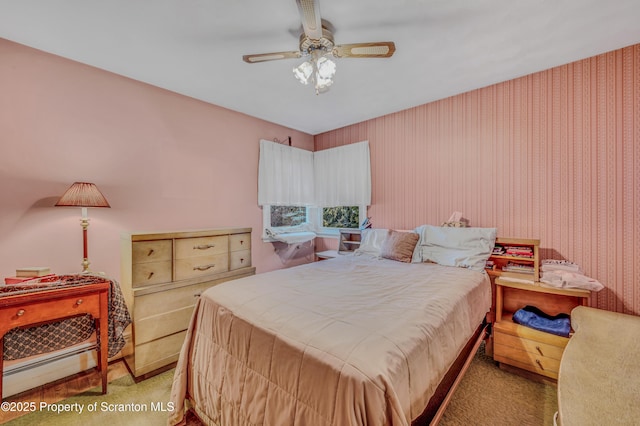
462, 247
371, 241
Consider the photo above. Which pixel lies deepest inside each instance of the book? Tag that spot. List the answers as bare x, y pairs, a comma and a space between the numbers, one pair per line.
33, 271
20, 280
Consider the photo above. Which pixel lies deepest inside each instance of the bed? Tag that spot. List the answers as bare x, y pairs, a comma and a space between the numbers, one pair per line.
363, 339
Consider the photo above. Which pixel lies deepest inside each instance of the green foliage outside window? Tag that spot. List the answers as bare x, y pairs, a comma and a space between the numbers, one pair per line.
341, 217
287, 215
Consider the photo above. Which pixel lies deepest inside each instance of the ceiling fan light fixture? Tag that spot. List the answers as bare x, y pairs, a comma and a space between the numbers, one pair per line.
304, 72
319, 69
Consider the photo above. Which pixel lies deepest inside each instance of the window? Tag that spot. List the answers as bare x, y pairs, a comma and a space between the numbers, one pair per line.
341, 217
326, 221
287, 216
291, 178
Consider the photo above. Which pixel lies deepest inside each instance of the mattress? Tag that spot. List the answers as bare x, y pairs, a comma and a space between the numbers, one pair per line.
353, 340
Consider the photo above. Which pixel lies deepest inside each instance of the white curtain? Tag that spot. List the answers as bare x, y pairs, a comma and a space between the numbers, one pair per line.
285, 175
343, 176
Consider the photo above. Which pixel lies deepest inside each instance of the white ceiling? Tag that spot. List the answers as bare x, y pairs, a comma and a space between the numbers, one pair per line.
443, 47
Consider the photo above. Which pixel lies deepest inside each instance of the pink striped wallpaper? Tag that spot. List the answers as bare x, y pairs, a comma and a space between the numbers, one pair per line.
554, 155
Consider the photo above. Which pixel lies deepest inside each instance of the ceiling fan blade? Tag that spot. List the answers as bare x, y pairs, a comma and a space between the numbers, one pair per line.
382, 49
263, 57
310, 16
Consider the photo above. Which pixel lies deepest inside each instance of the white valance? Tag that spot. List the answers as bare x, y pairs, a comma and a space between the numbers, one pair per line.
333, 177
285, 175
343, 176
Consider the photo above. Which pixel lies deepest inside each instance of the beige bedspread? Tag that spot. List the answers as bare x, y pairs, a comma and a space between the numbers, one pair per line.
347, 341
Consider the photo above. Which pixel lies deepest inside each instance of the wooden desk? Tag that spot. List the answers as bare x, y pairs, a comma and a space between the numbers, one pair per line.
45, 306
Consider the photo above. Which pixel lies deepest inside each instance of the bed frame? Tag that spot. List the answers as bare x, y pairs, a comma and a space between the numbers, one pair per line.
444, 392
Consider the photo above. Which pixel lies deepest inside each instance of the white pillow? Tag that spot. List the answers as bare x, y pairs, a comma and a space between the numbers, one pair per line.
371, 241
462, 247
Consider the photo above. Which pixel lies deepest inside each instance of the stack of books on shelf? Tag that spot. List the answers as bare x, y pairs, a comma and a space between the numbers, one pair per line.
519, 251
518, 272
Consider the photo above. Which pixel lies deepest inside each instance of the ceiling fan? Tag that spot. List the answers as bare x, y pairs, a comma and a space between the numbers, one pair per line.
316, 42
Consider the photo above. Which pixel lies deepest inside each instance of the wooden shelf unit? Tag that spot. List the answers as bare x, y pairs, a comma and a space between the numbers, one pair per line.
349, 240
527, 349
501, 260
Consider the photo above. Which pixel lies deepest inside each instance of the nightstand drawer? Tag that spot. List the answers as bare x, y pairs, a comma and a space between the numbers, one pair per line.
535, 347
36, 312
526, 360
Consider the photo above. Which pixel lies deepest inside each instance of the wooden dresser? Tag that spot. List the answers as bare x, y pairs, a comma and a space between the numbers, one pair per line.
162, 276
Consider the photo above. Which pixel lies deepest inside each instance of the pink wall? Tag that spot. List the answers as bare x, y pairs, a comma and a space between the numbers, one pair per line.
553, 155
164, 161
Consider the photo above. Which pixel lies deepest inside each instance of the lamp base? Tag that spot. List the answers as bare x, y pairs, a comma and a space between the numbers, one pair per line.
85, 266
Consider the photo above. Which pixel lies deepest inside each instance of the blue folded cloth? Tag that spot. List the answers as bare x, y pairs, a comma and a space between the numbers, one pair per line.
532, 317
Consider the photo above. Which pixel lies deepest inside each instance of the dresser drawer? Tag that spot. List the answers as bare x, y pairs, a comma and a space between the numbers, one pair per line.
151, 251
187, 248
239, 242
158, 353
143, 274
161, 302
239, 259
201, 266
157, 326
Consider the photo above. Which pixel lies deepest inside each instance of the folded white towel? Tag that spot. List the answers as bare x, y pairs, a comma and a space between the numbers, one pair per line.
566, 279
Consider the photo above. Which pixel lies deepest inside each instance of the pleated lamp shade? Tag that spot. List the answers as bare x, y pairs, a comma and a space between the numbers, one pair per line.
83, 194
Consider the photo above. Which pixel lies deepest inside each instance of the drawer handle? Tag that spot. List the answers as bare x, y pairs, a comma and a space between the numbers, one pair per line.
539, 350
20, 312
242, 260
241, 242
150, 252
196, 295
79, 302
150, 275
539, 364
204, 268
204, 246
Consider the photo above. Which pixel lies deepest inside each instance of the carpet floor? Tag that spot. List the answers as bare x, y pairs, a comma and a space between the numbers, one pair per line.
487, 395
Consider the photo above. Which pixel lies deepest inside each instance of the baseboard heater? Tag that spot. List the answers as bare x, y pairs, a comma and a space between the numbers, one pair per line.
45, 359
22, 375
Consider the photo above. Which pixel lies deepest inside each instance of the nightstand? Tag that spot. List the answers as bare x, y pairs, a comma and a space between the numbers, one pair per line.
527, 349
49, 305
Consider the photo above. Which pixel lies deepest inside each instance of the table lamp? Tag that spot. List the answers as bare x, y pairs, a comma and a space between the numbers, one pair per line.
83, 194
